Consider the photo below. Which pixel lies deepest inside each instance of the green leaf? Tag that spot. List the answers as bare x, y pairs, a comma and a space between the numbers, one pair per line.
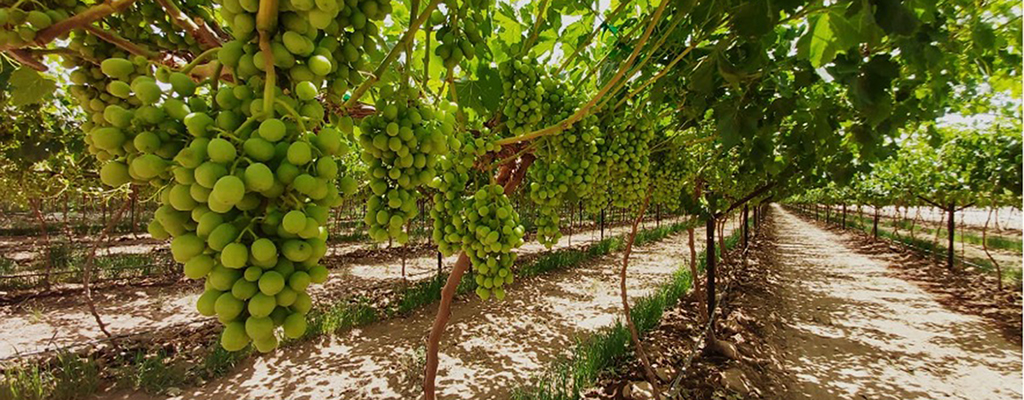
829, 34
753, 19
483, 93
895, 18
29, 86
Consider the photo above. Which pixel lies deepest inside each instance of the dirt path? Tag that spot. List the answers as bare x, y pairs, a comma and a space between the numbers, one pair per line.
489, 348
856, 331
45, 323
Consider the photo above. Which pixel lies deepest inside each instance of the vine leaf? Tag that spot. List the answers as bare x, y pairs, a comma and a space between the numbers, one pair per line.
829, 34
483, 93
30, 86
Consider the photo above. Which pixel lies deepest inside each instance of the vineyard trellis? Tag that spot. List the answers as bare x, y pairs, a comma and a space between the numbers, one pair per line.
246, 122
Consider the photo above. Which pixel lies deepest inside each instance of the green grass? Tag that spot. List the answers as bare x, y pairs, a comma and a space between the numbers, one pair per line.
70, 377
24, 383
352, 313
566, 378
151, 373
67, 267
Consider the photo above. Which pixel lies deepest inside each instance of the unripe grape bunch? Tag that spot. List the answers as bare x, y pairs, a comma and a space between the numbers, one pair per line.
567, 163
454, 175
400, 145
522, 81
459, 35
482, 224
493, 231
246, 173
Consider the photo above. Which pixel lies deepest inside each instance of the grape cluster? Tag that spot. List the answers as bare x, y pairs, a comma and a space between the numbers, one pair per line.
460, 36
567, 163
400, 145
19, 24
244, 201
454, 177
493, 230
523, 83
147, 23
245, 173
483, 224
318, 43
668, 185
626, 153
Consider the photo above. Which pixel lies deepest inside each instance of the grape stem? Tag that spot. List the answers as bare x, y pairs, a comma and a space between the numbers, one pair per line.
126, 45
390, 58
266, 20
248, 121
27, 59
536, 27
216, 80
202, 57
660, 73
637, 344
292, 113
643, 63
82, 19
596, 66
203, 34
510, 181
583, 111
270, 83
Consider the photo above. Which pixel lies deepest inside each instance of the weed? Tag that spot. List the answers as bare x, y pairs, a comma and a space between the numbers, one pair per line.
24, 383
74, 377
219, 361
150, 373
566, 378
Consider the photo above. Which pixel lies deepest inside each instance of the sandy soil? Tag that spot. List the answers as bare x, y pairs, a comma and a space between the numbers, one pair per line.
488, 349
39, 324
856, 331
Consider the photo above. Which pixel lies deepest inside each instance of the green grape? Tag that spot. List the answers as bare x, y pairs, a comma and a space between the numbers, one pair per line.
221, 151
263, 249
228, 307
234, 337
272, 129
198, 267
234, 256
117, 68
114, 174
259, 328
295, 326
184, 247
221, 236
228, 190
261, 305
206, 302
296, 250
